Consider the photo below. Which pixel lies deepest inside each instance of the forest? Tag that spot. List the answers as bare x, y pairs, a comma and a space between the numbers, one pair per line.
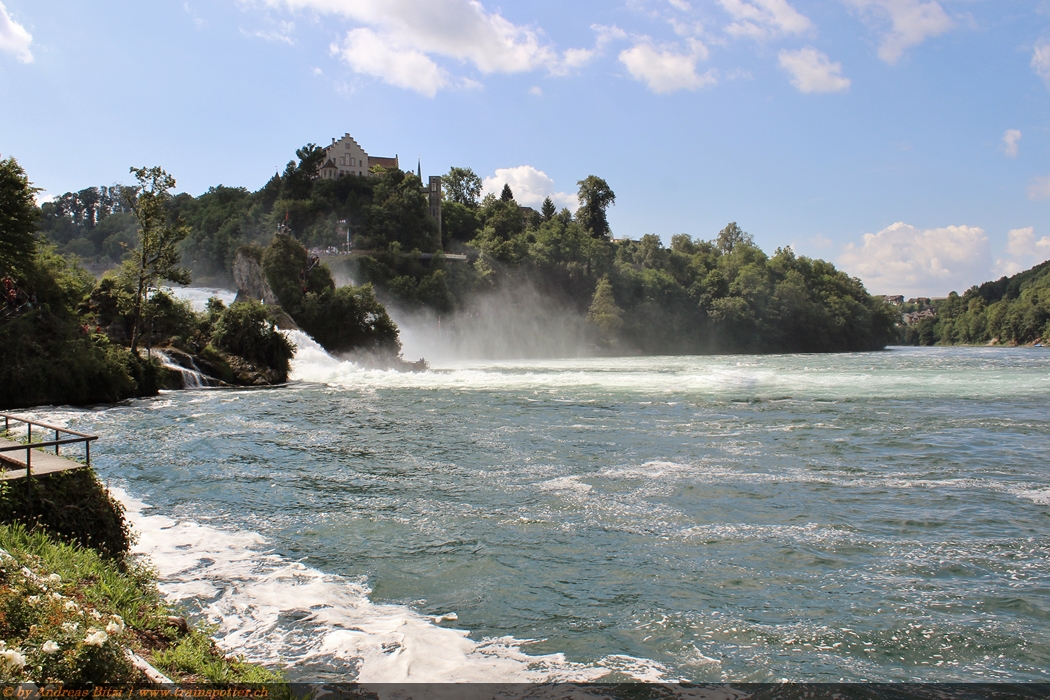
1012, 310
635, 296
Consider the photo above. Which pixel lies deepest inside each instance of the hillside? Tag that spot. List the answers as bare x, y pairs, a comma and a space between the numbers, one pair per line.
1011, 311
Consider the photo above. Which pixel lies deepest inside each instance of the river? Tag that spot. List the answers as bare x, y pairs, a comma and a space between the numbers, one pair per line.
864, 517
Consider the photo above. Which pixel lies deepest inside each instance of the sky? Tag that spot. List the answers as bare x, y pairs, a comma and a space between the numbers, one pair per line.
906, 141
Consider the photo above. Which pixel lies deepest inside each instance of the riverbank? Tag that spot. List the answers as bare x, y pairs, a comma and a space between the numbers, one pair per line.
76, 607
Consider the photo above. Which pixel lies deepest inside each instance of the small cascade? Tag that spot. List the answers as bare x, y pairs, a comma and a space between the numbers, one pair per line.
190, 377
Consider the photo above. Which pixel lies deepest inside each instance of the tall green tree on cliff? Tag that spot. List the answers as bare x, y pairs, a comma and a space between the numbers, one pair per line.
462, 186
18, 216
157, 256
595, 197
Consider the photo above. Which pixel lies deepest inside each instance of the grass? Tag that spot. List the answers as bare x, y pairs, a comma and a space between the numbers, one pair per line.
91, 607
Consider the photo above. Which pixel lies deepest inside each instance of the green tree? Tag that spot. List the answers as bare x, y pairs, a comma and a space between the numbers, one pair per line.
604, 314
548, 210
157, 257
595, 197
462, 186
299, 177
506, 195
732, 236
18, 217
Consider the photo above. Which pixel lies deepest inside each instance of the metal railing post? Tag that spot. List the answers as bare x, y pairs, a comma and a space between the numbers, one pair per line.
56, 440
87, 447
29, 477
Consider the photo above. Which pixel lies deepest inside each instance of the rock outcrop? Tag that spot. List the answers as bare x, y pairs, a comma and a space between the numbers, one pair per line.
250, 280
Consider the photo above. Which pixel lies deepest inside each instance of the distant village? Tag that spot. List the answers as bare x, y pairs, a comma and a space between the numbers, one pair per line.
923, 306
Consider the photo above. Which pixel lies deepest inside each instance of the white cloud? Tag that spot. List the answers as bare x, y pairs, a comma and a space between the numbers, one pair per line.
530, 187
14, 39
366, 52
281, 35
536, 91
1040, 188
680, 5
1021, 242
901, 259
1024, 251
912, 22
763, 19
666, 69
413, 33
813, 71
1041, 62
1011, 137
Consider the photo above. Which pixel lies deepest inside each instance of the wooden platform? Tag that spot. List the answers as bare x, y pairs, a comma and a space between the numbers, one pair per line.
13, 464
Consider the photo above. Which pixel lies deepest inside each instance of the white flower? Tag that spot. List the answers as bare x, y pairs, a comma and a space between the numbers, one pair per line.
71, 606
50, 647
70, 626
33, 599
12, 659
96, 614
95, 637
115, 627
57, 596
54, 578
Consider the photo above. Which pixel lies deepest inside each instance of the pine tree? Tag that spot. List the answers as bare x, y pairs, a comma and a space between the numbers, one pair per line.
506, 195
548, 210
604, 314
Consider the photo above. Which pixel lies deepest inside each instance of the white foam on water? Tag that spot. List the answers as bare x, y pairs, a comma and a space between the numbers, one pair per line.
721, 378
277, 611
198, 296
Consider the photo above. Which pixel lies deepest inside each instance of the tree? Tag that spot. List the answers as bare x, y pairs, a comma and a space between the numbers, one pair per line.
548, 210
606, 316
298, 179
732, 236
595, 197
462, 186
506, 195
18, 217
157, 256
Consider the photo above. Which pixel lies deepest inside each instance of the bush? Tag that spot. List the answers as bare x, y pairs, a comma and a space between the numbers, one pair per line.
344, 320
249, 330
72, 506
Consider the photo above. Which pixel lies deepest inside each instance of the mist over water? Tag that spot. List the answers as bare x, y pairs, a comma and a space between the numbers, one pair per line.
514, 322
875, 516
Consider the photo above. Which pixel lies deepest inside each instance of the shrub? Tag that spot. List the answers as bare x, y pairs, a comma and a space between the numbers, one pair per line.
248, 329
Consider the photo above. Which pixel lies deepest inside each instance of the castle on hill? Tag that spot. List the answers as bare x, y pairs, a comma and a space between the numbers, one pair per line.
346, 157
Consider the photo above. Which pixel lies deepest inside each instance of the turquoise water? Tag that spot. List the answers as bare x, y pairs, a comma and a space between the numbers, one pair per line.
878, 517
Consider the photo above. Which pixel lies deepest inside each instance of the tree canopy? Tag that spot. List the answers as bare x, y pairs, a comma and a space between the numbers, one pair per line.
18, 218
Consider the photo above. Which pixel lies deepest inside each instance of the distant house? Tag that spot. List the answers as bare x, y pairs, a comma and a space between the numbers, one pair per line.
346, 157
897, 300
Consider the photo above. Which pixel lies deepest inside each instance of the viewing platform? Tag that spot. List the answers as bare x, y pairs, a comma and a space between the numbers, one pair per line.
20, 460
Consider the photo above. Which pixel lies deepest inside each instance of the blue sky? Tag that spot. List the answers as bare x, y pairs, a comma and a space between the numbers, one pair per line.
905, 140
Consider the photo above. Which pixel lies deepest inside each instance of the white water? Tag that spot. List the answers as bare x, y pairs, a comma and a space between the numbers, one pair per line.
198, 296
190, 378
251, 593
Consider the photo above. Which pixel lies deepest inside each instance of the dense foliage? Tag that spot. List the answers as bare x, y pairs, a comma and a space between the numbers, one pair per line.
49, 354
724, 295
344, 319
1011, 310
71, 506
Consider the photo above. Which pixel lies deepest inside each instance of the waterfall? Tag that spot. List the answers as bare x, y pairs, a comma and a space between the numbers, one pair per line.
190, 377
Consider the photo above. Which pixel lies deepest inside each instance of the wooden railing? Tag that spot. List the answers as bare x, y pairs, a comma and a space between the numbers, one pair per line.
56, 443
